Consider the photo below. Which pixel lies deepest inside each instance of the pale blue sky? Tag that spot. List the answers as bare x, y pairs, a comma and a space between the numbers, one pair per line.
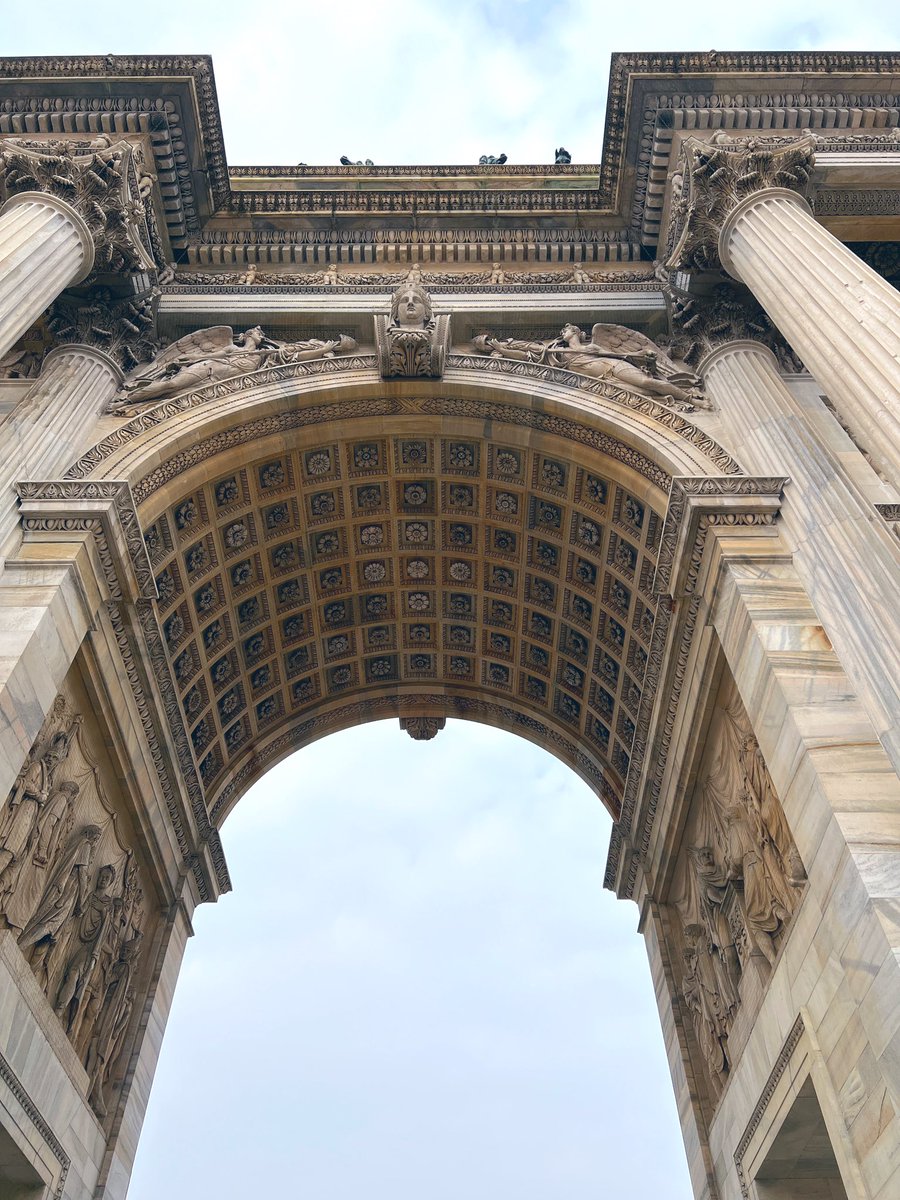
418, 987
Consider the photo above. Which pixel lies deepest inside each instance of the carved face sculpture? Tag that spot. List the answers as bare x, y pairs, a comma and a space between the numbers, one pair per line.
410, 308
253, 338
571, 333
105, 878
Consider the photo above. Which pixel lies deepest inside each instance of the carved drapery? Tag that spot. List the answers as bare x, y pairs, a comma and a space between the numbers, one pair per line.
73, 895
624, 357
737, 881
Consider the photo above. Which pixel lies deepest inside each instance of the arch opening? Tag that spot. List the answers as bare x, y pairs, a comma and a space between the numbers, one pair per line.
433, 969
418, 565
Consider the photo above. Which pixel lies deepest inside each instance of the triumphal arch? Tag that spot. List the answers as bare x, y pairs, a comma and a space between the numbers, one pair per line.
604, 455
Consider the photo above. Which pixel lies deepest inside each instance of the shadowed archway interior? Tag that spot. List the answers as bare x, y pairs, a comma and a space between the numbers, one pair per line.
342, 579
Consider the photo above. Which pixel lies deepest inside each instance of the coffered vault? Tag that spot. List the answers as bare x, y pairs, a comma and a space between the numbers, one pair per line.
605, 455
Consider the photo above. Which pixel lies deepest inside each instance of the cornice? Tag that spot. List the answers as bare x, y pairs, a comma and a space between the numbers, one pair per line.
652, 96
170, 101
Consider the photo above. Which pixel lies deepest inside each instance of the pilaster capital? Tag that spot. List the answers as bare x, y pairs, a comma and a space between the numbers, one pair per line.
720, 175
97, 179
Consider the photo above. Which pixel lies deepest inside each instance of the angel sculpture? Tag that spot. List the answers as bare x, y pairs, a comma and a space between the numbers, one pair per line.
210, 355
614, 353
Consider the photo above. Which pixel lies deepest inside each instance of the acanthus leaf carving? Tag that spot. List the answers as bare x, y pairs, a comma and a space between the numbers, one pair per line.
715, 176
99, 179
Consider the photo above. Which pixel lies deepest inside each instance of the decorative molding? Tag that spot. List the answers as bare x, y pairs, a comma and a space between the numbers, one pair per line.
461, 171
105, 509
49, 1138
675, 423
162, 673
696, 505
857, 202
414, 201
377, 707
775, 1075
498, 281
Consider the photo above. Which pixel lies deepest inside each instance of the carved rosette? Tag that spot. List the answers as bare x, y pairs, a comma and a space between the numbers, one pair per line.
99, 180
716, 176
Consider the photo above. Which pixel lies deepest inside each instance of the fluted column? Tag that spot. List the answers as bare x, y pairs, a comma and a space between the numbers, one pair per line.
54, 422
45, 246
841, 318
843, 552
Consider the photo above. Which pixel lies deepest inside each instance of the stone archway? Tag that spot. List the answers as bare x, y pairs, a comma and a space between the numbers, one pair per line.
328, 549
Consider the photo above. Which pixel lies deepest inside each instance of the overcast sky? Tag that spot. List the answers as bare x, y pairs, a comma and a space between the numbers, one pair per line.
418, 987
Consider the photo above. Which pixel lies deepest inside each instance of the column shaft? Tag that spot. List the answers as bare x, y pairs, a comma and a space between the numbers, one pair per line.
841, 317
44, 247
54, 422
843, 552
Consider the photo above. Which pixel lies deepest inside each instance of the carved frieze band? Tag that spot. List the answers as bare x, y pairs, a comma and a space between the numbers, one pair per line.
696, 505
674, 422
781, 1065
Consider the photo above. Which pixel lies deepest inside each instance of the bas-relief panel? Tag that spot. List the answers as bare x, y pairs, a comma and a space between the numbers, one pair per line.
737, 881
74, 891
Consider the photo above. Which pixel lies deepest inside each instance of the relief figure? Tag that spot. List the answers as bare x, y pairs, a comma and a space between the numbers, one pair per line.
711, 884
612, 352
23, 813
209, 355
702, 998
764, 910
63, 900
86, 947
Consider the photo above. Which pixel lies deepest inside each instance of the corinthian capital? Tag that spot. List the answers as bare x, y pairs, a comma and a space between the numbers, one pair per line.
716, 176
99, 180
729, 313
